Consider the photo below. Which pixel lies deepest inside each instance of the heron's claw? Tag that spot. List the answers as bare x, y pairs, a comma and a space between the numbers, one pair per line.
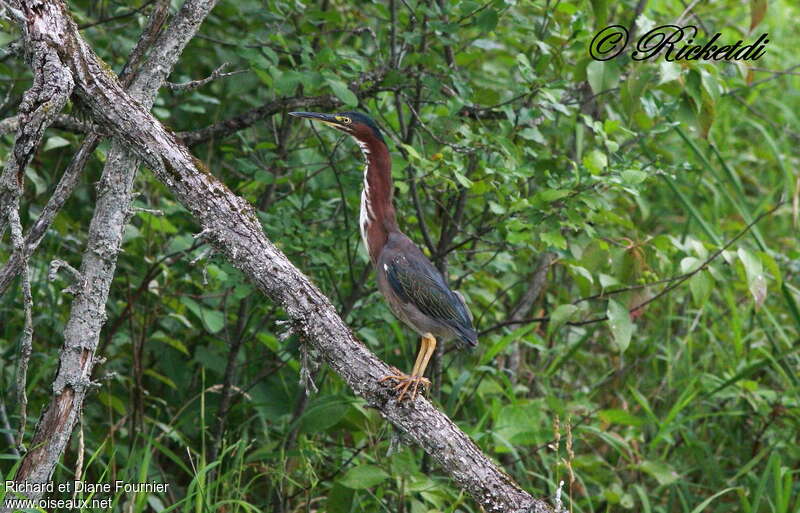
406, 382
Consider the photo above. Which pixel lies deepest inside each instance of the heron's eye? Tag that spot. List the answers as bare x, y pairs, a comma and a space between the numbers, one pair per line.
347, 121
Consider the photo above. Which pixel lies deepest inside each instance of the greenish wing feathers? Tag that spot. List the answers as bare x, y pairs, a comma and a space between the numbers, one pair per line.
426, 291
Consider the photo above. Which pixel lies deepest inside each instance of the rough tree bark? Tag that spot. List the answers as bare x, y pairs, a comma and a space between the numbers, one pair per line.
52, 86
229, 223
69, 180
36, 233
112, 210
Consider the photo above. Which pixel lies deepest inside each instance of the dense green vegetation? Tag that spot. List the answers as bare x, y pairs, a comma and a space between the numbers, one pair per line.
508, 143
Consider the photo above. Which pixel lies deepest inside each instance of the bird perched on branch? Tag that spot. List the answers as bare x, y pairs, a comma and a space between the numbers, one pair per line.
416, 291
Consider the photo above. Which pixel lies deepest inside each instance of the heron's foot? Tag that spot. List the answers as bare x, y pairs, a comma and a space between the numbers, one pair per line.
406, 384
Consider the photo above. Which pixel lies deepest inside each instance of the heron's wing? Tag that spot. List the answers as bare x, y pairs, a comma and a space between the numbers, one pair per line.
416, 281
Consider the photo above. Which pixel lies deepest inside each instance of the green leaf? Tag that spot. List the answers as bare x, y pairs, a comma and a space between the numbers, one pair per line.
265, 77
669, 71
193, 108
412, 152
554, 238
213, 320
754, 271
496, 208
693, 89
582, 271
487, 20
607, 280
463, 180
503, 342
633, 176
595, 161
38, 182
702, 506
161, 378
600, 9
287, 82
532, 134
772, 266
619, 320
622, 417
560, 316
158, 223
551, 195
55, 142
340, 498
342, 92
700, 285
664, 474
112, 401
518, 424
324, 414
602, 75
364, 476
160, 336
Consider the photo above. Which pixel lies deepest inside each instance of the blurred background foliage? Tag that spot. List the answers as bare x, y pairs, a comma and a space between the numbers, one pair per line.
511, 149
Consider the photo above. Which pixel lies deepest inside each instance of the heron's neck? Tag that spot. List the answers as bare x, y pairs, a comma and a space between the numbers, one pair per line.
377, 218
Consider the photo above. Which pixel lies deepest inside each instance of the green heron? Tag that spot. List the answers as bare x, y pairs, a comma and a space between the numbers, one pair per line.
416, 291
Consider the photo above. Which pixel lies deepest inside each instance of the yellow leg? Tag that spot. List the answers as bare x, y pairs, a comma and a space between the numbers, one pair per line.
420, 356
429, 344
404, 381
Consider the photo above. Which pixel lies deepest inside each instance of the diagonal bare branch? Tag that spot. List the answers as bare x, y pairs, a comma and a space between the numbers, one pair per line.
69, 179
230, 224
105, 232
51, 88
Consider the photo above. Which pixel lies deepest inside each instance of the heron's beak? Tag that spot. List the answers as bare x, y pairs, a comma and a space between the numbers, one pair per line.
328, 119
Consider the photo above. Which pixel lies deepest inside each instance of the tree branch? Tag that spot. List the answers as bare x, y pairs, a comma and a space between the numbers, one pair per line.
112, 211
69, 180
522, 309
247, 119
51, 88
67, 183
194, 84
230, 224
251, 117
535, 288
63, 121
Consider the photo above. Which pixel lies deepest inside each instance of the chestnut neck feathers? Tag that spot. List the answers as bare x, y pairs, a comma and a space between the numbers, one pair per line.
377, 218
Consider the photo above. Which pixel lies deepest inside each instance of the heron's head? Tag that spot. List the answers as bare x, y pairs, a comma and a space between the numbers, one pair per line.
356, 124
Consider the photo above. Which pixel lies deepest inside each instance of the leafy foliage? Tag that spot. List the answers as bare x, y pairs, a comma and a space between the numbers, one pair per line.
508, 142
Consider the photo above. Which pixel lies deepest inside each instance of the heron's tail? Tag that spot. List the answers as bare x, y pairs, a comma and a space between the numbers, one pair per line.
467, 336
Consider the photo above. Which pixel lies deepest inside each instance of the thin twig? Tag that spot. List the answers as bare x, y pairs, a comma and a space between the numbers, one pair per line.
456, 147
6, 427
77, 277
778, 74
81, 454
117, 17
229, 380
69, 180
26, 342
14, 14
423, 226
194, 84
67, 183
